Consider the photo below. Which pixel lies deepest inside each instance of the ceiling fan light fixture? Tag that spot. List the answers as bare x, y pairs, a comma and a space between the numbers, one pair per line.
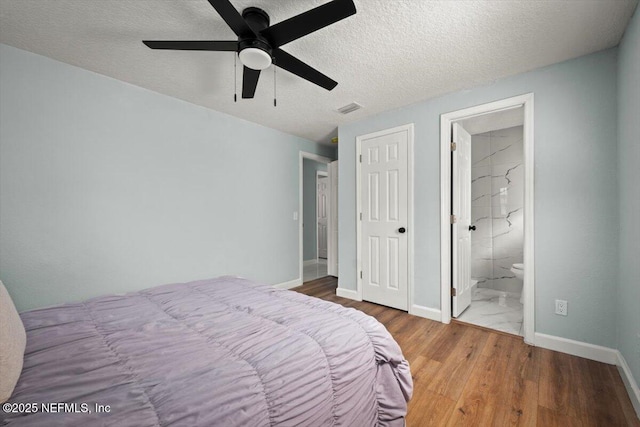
255, 58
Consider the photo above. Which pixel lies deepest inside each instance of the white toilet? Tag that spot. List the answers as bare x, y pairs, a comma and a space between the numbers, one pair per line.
518, 270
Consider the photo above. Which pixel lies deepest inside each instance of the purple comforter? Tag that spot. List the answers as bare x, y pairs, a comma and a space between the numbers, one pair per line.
221, 352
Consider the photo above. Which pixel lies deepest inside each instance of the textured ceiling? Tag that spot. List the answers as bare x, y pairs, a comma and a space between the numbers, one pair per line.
391, 53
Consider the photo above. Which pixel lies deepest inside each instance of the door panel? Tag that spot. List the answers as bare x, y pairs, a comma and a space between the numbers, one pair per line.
374, 191
384, 192
393, 208
374, 260
461, 237
393, 249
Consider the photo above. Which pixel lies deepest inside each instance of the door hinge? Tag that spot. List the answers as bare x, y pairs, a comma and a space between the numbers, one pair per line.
453, 219
453, 146
453, 292
360, 158
361, 274
360, 216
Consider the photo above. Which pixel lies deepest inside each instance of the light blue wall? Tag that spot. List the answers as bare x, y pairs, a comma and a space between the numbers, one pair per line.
575, 191
106, 187
629, 213
310, 237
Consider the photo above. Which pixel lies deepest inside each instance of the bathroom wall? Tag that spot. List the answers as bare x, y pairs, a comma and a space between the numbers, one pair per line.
497, 191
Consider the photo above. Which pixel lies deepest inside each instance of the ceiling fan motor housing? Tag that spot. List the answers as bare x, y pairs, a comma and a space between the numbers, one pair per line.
257, 18
256, 44
255, 52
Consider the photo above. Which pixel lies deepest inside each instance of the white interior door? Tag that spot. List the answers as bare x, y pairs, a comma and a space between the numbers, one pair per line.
461, 236
332, 223
322, 194
384, 202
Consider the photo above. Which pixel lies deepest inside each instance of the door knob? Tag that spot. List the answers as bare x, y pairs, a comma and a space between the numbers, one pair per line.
472, 227
401, 230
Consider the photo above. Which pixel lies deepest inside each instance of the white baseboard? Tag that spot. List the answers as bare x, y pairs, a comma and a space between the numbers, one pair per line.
577, 348
426, 312
597, 353
629, 382
348, 293
290, 284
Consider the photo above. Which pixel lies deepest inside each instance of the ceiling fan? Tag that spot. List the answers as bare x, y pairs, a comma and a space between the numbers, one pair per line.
258, 44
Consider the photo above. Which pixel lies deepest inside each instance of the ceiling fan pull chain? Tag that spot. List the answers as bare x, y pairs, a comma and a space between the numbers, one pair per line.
235, 78
274, 82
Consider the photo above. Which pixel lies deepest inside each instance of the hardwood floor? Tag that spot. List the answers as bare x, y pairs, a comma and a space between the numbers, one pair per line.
464, 375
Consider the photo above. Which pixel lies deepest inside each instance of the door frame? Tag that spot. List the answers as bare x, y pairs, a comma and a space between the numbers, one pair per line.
322, 174
409, 128
446, 120
332, 222
321, 159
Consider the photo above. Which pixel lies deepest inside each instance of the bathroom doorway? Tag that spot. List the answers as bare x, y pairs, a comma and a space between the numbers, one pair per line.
487, 196
496, 230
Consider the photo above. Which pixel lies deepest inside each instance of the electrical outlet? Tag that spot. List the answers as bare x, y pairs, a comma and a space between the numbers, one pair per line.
562, 307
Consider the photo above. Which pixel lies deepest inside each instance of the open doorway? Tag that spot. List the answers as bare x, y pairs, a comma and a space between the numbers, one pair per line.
315, 217
315, 194
494, 225
487, 216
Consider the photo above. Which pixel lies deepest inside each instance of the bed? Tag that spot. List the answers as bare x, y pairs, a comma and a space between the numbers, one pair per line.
219, 352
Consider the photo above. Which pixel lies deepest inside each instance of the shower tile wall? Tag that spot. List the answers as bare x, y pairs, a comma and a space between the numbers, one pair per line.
497, 198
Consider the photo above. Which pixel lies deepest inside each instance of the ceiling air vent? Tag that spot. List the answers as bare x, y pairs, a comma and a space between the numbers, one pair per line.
350, 108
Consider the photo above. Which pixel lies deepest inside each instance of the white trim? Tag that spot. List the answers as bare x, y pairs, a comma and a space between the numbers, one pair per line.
577, 348
348, 293
288, 285
445, 202
445, 219
629, 382
528, 286
358, 222
410, 221
332, 221
597, 353
426, 312
311, 156
409, 128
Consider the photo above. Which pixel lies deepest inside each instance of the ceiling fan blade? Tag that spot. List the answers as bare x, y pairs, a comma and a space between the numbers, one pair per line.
249, 82
299, 68
233, 18
213, 45
308, 22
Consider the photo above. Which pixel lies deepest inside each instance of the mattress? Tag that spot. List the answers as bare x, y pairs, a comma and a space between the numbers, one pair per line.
219, 352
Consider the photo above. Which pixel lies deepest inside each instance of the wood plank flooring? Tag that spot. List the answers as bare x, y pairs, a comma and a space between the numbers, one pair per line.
464, 375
